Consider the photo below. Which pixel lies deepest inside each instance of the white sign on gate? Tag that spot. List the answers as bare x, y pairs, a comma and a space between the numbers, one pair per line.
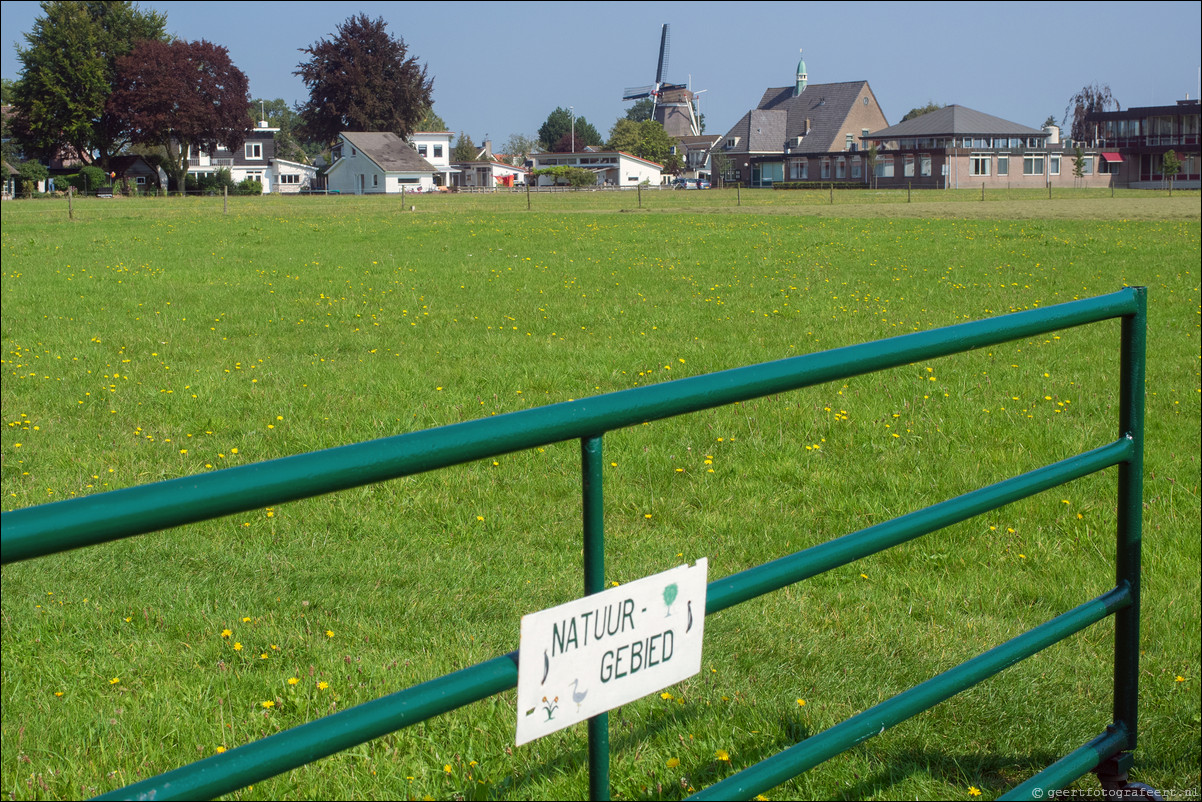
591, 655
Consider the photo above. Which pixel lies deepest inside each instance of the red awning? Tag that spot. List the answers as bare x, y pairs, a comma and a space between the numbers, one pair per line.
1112, 157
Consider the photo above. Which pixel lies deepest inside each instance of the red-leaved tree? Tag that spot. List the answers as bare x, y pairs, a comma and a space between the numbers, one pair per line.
362, 80
185, 96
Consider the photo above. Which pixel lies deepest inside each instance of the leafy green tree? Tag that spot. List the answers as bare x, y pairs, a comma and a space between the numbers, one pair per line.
69, 70
29, 174
519, 146
7, 88
1170, 166
921, 110
185, 96
1078, 162
464, 150
278, 114
720, 164
556, 134
362, 79
431, 121
624, 135
647, 140
641, 109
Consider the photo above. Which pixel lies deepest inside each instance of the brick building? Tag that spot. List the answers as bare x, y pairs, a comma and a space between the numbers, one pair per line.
1136, 140
803, 132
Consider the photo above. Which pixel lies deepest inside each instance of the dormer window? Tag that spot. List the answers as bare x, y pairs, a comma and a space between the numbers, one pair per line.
253, 150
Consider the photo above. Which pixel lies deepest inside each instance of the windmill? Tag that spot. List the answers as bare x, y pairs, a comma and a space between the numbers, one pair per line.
672, 104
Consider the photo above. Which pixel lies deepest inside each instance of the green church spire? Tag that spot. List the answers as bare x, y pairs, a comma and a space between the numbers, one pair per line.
802, 78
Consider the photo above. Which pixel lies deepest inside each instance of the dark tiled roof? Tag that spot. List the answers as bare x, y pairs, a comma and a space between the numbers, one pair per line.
780, 117
389, 151
120, 164
955, 121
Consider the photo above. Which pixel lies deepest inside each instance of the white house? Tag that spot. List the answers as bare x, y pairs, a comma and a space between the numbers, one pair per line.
612, 167
256, 160
367, 163
435, 147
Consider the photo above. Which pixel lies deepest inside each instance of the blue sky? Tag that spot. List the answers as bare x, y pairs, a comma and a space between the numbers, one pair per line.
501, 68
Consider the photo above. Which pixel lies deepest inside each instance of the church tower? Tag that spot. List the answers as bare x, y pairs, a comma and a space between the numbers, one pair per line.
802, 78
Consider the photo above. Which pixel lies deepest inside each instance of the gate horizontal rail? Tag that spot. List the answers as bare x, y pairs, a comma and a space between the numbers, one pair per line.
51, 528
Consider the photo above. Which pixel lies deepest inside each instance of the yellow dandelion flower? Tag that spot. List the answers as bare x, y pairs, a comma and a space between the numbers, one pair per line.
801, 702
329, 633
293, 680
321, 686
665, 695
237, 646
220, 749
225, 633
673, 762
268, 703
114, 680
974, 791
722, 755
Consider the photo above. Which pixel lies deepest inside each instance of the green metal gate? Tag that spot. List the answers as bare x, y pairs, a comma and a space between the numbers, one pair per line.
50, 528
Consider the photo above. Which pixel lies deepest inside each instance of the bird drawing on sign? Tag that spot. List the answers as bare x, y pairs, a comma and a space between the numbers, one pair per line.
577, 694
546, 666
690, 626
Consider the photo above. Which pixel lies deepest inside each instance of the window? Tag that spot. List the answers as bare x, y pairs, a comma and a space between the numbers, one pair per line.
408, 180
375, 179
438, 151
1054, 164
253, 150
980, 163
884, 167
848, 141
421, 151
1003, 165
826, 169
140, 179
1087, 165
289, 178
799, 169
924, 165
856, 167
1033, 164
908, 168
840, 167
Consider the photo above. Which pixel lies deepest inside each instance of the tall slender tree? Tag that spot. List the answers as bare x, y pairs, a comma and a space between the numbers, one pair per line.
362, 79
1090, 99
68, 71
184, 96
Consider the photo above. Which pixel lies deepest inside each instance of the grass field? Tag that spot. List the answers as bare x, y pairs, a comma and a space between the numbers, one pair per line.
150, 339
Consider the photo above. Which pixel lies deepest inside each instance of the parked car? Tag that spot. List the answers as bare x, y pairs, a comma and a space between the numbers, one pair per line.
690, 183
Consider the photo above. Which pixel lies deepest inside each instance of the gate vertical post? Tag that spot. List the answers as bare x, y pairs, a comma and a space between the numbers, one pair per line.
594, 582
1133, 346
